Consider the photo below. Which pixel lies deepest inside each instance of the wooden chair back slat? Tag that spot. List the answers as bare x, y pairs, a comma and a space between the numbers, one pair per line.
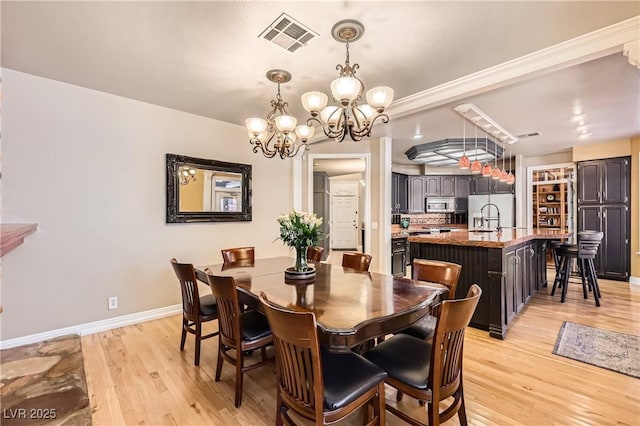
189, 288
299, 368
224, 288
437, 271
238, 253
354, 260
314, 253
446, 359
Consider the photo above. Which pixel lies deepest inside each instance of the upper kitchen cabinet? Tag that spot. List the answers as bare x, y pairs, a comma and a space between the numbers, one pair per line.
603, 181
415, 193
485, 185
463, 186
399, 201
448, 186
432, 186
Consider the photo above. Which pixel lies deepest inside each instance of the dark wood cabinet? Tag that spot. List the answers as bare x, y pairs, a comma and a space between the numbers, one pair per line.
416, 193
447, 186
432, 186
399, 256
399, 192
613, 255
322, 207
463, 186
483, 185
604, 181
603, 205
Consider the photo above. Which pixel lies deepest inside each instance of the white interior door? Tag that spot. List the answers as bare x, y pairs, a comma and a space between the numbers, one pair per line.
344, 222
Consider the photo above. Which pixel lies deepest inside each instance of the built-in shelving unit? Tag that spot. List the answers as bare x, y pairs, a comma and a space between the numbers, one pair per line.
552, 196
550, 207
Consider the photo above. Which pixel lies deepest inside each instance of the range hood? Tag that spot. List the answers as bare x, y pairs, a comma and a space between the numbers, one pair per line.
447, 152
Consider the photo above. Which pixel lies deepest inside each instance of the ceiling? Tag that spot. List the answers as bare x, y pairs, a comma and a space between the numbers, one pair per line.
206, 58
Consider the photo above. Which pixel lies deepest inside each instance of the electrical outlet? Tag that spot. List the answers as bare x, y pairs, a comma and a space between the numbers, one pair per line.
113, 302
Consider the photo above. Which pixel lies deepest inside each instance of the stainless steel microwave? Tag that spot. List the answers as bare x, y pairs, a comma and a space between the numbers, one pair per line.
440, 205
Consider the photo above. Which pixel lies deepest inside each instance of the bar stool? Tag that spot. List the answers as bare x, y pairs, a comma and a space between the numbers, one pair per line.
584, 252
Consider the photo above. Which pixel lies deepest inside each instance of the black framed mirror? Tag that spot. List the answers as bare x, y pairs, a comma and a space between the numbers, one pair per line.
200, 190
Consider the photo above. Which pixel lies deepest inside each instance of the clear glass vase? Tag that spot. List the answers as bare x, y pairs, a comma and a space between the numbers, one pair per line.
301, 259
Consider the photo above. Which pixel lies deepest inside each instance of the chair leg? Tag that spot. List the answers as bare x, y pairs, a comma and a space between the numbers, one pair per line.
433, 414
279, 409
567, 271
462, 412
558, 277
220, 361
582, 277
594, 281
380, 409
198, 340
399, 396
183, 339
239, 376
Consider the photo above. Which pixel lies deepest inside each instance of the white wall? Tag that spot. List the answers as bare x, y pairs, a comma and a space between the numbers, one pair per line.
89, 168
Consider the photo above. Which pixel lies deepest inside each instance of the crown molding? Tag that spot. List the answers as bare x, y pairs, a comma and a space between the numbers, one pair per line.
584, 48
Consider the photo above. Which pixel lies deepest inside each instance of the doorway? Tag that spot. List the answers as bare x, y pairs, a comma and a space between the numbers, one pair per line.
338, 165
344, 221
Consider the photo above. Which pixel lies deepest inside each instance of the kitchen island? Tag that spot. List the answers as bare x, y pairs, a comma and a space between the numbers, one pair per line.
509, 266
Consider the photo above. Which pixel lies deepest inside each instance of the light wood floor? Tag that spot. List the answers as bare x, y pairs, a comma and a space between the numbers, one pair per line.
137, 375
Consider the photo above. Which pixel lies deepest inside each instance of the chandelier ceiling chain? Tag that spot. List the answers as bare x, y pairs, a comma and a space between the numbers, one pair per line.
277, 134
349, 117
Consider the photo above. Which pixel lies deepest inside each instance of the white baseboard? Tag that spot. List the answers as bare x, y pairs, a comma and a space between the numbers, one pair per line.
94, 327
634, 280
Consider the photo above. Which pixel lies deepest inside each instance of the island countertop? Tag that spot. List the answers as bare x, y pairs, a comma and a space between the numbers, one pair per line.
506, 238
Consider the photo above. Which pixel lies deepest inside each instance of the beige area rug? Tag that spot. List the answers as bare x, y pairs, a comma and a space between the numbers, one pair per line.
44, 384
614, 351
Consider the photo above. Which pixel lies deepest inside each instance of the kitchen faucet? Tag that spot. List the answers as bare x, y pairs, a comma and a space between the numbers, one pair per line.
488, 219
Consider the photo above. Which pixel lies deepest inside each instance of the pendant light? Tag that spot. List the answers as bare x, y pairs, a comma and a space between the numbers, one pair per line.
464, 162
511, 179
476, 167
486, 169
495, 173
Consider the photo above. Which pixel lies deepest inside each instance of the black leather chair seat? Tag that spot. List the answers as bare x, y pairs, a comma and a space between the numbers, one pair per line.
405, 358
423, 329
346, 376
208, 304
254, 325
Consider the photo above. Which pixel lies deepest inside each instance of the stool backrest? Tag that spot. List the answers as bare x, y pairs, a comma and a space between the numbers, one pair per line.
588, 243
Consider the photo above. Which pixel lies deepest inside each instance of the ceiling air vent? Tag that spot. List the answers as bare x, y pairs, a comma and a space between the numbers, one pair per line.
288, 33
528, 135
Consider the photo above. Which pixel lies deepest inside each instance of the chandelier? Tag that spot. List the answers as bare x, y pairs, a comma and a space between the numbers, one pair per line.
278, 133
350, 116
187, 174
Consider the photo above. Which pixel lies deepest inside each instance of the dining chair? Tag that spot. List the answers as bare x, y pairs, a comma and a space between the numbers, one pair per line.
314, 253
240, 331
431, 372
196, 309
435, 271
315, 383
238, 253
355, 260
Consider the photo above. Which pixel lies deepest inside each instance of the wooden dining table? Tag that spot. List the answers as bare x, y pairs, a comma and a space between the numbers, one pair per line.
351, 306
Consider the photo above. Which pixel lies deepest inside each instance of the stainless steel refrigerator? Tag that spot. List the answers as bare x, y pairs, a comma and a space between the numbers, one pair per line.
505, 204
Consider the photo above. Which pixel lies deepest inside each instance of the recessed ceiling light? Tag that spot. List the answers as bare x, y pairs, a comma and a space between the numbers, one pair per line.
582, 129
579, 117
417, 136
584, 136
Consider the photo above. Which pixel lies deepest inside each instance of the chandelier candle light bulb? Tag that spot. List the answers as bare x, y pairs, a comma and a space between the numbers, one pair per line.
350, 117
277, 134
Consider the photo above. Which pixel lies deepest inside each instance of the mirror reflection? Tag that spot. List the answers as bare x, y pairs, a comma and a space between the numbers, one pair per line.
209, 191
